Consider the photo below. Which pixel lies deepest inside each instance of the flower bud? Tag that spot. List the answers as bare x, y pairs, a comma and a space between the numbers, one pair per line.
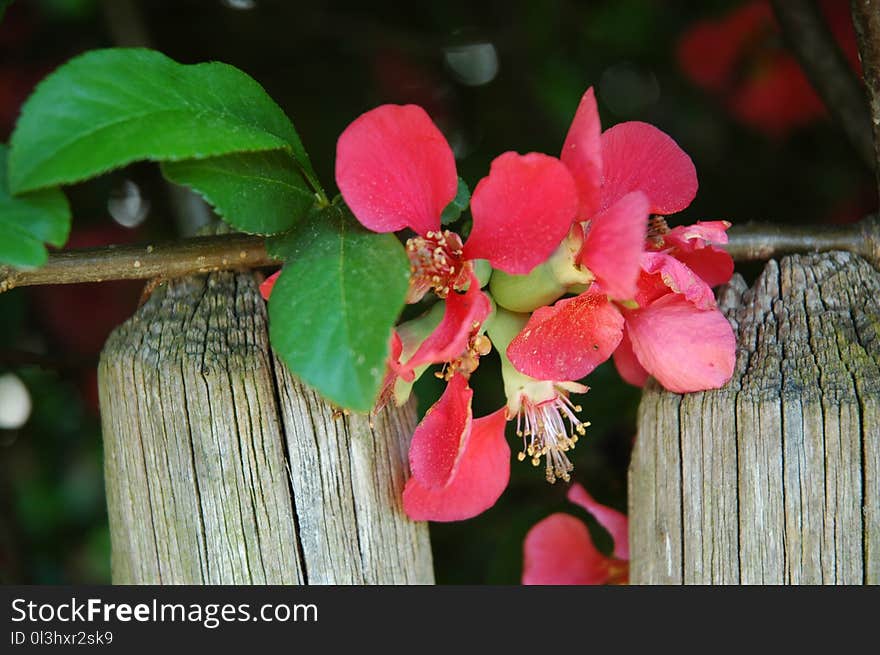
546, 282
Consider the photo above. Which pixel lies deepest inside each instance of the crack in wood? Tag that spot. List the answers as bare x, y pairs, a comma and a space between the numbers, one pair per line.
243, 471
779, 471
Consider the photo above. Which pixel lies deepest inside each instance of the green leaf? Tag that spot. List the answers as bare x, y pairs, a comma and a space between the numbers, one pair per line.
258, 192
459, 204
333, 308
27, 221
108, 108
3, 5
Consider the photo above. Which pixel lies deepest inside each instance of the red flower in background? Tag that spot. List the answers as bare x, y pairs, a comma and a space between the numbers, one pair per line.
559, 550
740, 58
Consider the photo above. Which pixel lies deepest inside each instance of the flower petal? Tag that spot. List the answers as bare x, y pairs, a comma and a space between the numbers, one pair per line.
693, 245
582, 154
395, 169
609, 518
395, 347
698, 235
480, 478
685, 348
559, 551
713, 265
639, 157
628, 364
522, 211
662, 272
267, 284
568, 340
439, 440
613, 246
450, 339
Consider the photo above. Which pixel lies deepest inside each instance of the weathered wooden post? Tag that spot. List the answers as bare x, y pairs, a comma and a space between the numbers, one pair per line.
776, 477
220, 468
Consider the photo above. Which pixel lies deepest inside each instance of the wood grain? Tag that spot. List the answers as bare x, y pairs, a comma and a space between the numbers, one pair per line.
221, 468
774, 478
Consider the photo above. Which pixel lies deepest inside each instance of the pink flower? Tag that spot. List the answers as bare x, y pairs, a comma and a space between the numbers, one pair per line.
460, 465
559, 550
695, 246
673, 330
395, 170
675, 333
623, 174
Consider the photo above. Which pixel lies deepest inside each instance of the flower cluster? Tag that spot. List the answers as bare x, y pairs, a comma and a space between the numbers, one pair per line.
568, 261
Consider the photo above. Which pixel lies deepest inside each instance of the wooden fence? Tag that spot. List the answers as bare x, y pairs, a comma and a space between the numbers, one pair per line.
776, 477
220, 468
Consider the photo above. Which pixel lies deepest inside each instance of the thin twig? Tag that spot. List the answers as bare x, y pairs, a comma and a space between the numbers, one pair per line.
759, 241
807, 33
177, 259
866, 19
750, 241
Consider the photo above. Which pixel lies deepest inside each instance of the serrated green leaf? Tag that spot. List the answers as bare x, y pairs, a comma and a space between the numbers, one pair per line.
256, 192
27, 221
108, 108
459, 204
333, 308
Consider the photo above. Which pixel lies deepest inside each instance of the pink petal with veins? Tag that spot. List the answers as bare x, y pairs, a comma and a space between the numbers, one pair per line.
440, 438
639, 157
522, 211
450, 338
609, 518
613, 246
568, 340
395, 169
582, 154
559, 551
627, 363
478, 481
685, 348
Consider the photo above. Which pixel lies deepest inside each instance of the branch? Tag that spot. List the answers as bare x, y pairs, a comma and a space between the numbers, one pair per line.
748, 242
177, 259
807, 33
866, 19
758, 241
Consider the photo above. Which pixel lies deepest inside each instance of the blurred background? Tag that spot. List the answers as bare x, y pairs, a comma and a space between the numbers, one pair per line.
495, 76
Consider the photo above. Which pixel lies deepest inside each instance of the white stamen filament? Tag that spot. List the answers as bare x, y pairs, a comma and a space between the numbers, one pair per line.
544, 434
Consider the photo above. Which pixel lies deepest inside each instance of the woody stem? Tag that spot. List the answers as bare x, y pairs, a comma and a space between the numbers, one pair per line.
748, 242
